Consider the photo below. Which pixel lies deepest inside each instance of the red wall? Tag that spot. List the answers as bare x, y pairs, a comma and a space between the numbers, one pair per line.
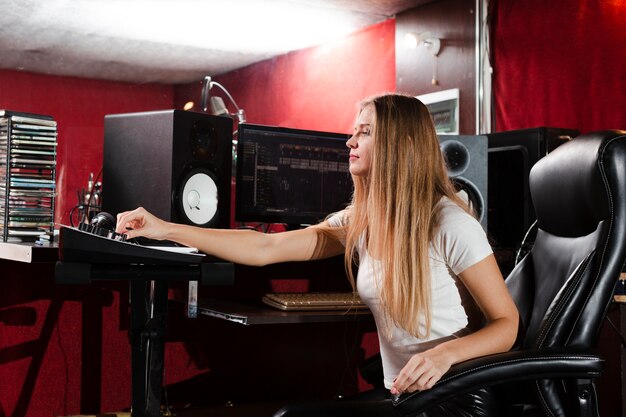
316, 88
79, 106
40, 359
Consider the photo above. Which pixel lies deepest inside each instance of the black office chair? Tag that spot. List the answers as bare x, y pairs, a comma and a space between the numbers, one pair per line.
562, 288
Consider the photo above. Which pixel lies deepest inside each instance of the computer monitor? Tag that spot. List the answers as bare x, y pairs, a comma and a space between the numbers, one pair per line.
291, 176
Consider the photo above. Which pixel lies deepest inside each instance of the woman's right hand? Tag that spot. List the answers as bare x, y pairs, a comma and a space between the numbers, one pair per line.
140, 222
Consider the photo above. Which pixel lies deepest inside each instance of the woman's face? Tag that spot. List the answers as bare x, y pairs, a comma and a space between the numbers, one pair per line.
361, 142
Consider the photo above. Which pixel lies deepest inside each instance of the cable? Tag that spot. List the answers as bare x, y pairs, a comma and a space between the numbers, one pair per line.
76, 207
232, 100
525, 246
207, 84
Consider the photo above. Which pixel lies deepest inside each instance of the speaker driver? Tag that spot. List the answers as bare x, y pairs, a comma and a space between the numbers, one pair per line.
198, 199
204, 140
474, 197
457, 157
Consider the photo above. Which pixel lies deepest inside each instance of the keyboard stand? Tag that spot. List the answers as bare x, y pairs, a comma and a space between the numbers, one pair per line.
148, 305
148, 345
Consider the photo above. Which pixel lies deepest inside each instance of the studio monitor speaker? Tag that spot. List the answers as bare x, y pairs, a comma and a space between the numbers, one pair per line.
176, 164
511, 156
466, 161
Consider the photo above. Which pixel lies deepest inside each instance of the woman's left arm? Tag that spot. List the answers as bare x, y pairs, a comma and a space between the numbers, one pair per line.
486, 285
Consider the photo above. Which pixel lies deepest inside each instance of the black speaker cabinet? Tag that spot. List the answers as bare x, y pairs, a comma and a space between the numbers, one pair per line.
176, 164
511, 156
466, 160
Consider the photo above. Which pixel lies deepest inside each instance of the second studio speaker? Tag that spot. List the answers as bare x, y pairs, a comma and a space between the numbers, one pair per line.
466, 159
176, 164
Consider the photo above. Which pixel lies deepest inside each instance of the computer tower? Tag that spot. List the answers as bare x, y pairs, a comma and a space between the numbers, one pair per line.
512, 154
466, 161
176, 164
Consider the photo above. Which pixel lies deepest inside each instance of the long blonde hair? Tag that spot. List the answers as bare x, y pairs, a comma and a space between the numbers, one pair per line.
395, 207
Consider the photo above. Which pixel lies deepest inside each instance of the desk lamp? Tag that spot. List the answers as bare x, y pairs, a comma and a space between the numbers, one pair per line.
218, 107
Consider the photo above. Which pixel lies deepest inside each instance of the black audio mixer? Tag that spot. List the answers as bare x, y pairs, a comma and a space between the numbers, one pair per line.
94, 244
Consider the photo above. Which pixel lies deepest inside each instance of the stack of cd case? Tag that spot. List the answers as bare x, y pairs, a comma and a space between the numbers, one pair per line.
28, 149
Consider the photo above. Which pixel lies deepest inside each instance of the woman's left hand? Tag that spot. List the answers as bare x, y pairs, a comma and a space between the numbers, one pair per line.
486, 285
422, 371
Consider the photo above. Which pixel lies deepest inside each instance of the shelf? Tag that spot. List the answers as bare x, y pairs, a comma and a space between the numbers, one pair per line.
28, 149
29, 252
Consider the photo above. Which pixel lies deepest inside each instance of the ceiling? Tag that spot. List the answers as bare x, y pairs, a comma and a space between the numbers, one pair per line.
172, 41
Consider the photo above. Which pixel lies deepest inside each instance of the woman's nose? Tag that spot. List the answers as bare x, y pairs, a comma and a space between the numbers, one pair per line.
352, 142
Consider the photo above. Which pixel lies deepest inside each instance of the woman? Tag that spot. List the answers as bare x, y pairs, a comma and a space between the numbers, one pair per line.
424, 260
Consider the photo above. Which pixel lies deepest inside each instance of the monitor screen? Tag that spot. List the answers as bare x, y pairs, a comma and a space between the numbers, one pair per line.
290, 176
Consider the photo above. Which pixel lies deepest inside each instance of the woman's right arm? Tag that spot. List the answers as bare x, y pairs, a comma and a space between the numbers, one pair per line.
247, 247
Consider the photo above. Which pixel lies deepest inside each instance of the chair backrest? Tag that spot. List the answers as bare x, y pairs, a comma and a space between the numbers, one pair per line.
564, 286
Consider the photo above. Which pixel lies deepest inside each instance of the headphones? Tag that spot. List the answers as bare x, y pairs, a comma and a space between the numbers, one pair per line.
104, 220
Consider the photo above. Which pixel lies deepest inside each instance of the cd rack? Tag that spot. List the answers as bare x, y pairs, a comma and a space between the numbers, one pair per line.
28, 149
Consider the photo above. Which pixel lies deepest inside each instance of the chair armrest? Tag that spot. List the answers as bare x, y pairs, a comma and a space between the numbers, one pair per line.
504, 367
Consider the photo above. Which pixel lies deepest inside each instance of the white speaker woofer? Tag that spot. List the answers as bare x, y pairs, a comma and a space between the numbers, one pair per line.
199, 198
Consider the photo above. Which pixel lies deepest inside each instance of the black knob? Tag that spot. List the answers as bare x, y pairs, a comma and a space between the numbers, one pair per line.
104, 220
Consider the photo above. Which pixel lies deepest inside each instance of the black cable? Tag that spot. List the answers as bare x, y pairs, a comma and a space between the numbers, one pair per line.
79, 207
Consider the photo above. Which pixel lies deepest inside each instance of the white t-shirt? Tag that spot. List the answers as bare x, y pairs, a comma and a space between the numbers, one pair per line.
459, 243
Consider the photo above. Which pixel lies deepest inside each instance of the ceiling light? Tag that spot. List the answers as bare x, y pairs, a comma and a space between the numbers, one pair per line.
270, 25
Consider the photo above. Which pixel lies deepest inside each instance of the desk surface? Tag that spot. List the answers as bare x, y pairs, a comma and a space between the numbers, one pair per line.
249, 313
29, 252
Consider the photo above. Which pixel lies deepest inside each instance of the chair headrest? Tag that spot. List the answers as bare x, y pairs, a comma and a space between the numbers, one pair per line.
571, 186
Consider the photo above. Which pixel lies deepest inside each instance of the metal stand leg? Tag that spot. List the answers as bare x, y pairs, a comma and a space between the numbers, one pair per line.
148, 311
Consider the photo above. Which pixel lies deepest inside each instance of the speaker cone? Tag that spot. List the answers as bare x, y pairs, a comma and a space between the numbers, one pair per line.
474, 198
457, 157
198, 197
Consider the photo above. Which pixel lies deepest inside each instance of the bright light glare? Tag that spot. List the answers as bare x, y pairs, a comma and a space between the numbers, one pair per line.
410, 40
249, 26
